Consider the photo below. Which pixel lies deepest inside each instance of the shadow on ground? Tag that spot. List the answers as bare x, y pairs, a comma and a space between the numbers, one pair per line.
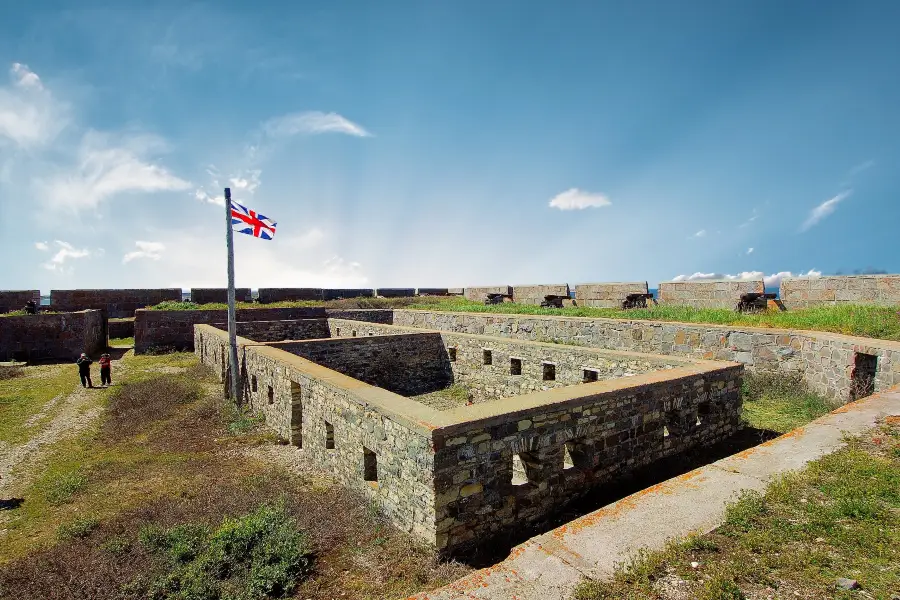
616, 489
11, 503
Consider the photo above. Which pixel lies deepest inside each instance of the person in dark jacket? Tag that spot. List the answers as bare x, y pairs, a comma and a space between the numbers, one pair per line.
84, 370
105, 370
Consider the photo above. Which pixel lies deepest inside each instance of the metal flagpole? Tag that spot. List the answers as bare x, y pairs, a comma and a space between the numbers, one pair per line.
232, 327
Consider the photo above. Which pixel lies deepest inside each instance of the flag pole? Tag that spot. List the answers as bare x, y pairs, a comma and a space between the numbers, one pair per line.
232, 327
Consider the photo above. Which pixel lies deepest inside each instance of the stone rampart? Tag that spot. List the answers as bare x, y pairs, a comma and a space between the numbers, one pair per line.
534, 294
395, 292
118, 304
480, 294
806, 292
339, 294
52, 336
456, 291
270, 295
371, 315
279, 331
174, 329
11, 300
607, 295
219, 295
708, 293
433, 292
827, 361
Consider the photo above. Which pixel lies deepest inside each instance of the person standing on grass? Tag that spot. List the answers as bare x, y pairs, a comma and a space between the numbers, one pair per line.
84, 370
105, 370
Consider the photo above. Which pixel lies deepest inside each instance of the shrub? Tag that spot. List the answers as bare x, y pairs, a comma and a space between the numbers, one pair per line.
11, 372
134, 405
79, 528
61, 489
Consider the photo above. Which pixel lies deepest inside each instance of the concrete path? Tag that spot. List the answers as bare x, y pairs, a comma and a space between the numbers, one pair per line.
549, 566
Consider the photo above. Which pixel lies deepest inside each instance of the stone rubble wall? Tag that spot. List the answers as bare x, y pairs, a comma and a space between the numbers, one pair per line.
406, 364
806, 292
456, 291
709, 293
279, 331
607, 295
605, 429
52, 336
825, 360
11, 300
371, 315
338, 294
118, 304
480, 294
433, 292
219, 295
174, 329
395, 292
306, 396
270, 295
534, 294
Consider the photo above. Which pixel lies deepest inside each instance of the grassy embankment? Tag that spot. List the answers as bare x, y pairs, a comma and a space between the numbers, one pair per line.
837, 518
161, 499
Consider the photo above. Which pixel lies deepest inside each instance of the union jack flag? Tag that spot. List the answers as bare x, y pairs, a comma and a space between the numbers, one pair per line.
244, 220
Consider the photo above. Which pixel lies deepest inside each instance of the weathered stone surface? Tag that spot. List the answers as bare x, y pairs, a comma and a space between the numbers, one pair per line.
270, 295
607, 295
480, 294
211, 295
118, 304
708, 293
433, 291
356, 293
11, 300
534, 294
804, 292
61, 336
121, 328
395, 292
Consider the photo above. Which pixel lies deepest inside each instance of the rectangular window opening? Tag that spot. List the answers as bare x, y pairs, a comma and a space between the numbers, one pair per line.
451, 352
329, 436
488, 357
296, 415
702, 413
515, 366
568, 463
370, 465
590, 376
519, 476
665, 431
371, 333
337, 332
862, 379
353, 333
271, 395
253, 383
549, 371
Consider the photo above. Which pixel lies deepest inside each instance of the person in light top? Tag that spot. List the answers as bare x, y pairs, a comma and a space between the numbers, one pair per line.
105, 370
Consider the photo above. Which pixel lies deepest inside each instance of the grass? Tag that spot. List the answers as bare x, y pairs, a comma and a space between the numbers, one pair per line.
839, 517
160, 500
129, 341
22, 398
780, 402
447, 398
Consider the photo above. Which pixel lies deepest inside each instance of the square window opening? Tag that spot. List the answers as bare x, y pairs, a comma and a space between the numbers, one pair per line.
590, 376
329, 436
549, 371
370, 465
487, 357
515, 366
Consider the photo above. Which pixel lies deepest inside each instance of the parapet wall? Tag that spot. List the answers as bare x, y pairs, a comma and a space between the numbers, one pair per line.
11, 300
480, 294
270, 295
52, 336
279, 331
534, 294
827, 361
806, 292
217, 295
338, 294
395, 292
607, 295
117, 303
174, 329
710, 293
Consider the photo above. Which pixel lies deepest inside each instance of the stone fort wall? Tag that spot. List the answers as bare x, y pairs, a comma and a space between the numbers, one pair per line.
116, 303
607, 295
807, 292
11, 300
52, 336
534, 294
216, 295
718, 293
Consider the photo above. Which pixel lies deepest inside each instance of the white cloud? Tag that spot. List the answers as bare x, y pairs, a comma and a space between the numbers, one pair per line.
575, 199
823, 210
29, 115
247, 181
310, 123
700, 234
41, 246
107, 169
773, 280
749, 221
66, 252
749, 250
151, 250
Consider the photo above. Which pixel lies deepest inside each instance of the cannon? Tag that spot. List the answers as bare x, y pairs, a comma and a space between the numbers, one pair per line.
636, 301
553, 301
753, 302
497, 298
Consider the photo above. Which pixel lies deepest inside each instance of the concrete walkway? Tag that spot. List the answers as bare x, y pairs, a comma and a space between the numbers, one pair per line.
549, 566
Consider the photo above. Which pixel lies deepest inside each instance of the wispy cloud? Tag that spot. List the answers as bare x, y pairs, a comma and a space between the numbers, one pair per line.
575, 199
29, 115
151, 250
863, 166
700, 234
42, 246
773, 280
823, 210
750, 220
25, 77
65, 253
311, 123
749, 250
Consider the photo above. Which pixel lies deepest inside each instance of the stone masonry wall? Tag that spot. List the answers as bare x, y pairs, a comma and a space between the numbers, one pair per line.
174, 329
826, 360
502, 379
118, 304
211, 295
479, 294
372, 315
607, 295
606, 428
433, 291
712, 293
121, 328
269, 295
534, 294
805, 292
406, 364
338, 294
395, 292
11, 300
279, 331
48, 336
308, 404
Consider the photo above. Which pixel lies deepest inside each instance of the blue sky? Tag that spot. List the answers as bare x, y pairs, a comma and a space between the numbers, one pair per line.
447, 143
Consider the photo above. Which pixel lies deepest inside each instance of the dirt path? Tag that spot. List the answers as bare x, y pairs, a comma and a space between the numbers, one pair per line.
74, 414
